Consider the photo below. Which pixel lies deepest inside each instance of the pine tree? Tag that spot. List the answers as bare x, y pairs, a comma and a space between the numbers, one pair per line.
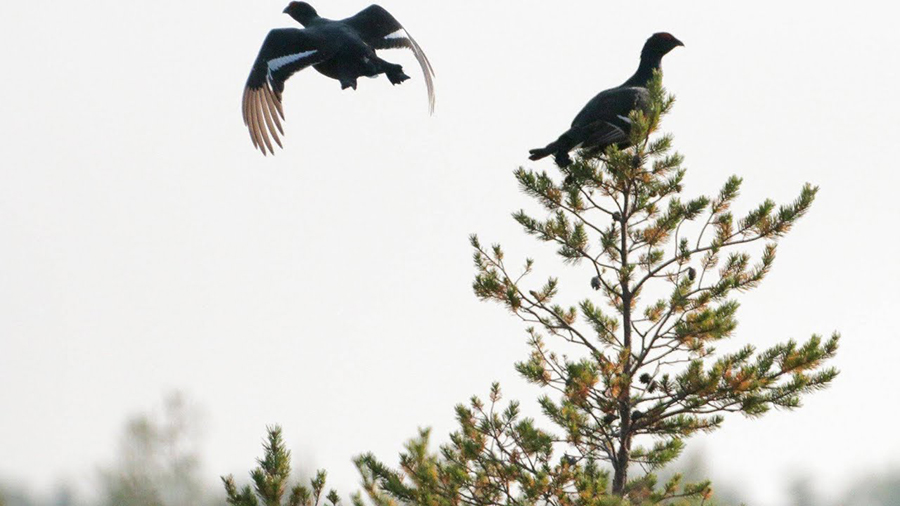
666, 269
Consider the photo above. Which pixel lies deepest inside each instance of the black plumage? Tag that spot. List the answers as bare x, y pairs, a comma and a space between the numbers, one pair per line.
343, 50
604, 120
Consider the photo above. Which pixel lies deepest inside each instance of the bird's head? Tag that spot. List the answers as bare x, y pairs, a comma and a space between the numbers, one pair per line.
301, 11
659, 44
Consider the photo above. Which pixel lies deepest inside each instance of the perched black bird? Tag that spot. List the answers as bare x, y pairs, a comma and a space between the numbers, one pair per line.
343, 50
604, 120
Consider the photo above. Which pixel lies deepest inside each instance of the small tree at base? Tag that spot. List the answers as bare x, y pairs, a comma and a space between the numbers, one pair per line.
270, 480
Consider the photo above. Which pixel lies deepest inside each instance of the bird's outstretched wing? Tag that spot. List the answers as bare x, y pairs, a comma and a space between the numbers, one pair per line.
379, 29
284, 52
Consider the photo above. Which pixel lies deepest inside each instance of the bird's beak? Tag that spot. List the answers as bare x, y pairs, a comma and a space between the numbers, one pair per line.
286, 9
679, 43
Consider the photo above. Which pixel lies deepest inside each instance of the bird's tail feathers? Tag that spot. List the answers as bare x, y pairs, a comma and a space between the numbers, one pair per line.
537, 154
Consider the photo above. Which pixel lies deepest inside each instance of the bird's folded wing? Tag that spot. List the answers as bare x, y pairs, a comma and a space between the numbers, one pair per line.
605, 119
610, 105
379, 29
284, 52
604, 133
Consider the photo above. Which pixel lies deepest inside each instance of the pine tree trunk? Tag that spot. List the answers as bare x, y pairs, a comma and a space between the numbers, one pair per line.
623, 456
620, 476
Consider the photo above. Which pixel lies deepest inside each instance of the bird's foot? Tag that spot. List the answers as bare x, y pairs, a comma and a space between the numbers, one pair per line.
562, 159
348, 83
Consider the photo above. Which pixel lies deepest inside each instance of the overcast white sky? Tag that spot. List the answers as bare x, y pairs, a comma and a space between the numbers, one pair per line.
147, 247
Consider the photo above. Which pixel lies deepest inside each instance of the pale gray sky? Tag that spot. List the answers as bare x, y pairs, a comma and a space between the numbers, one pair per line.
146, 246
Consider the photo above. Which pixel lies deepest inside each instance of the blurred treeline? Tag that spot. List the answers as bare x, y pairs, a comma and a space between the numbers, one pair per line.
158, 463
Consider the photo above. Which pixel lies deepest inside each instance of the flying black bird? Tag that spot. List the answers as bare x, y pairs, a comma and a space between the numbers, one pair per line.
343, 50
604, 120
